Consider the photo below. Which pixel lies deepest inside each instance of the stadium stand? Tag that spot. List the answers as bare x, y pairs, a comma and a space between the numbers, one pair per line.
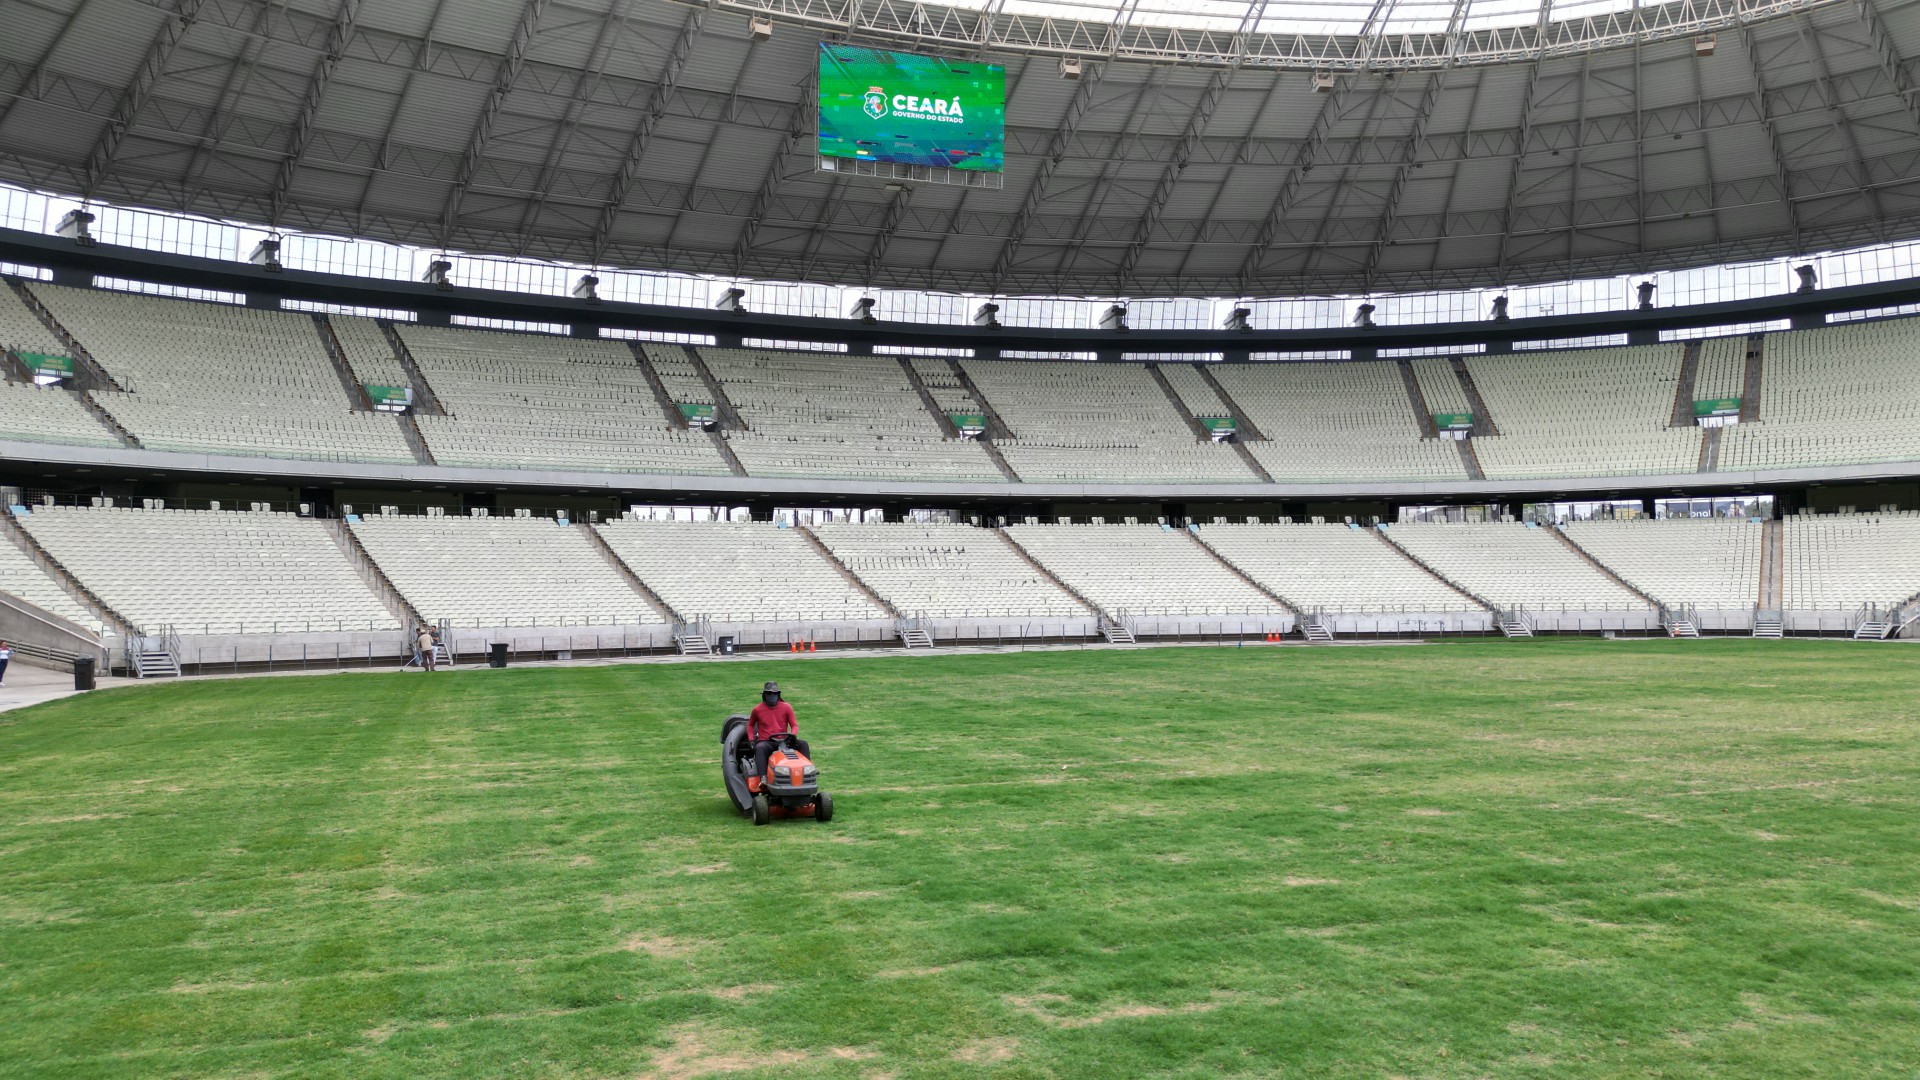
1333, 422
1596, 412
678, 375
221, 379
22, 579
1708, 563
1097, 423
1335, 568
1514, 566
1198, 395
500, 571
1142, 571
1841, 561
539, 401
1723, 368
736, 572
811, 414
1439, 386
947, 572
21, 329
210, 571
50, 415
1839, 396
944, 386
368, 351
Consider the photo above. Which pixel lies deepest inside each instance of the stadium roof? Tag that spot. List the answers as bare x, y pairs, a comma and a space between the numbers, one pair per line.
1478, 142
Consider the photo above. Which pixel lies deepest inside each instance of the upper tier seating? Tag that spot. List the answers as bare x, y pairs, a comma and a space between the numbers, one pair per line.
368, 351
1723, 368
1845, 395
21, 329
211, 571
1840, 561
944, 386
1141, 571
678, 375
1439, 387
814, 414
22, 579
734, 572
221, 379
948, 572
1511, 565
1331, 422
541, 401
1593, 412
48, 415
1198, 395
1097, 423
501, 571
1336, 568
1707, 562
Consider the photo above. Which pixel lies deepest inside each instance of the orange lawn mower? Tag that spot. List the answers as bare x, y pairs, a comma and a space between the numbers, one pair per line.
791, 788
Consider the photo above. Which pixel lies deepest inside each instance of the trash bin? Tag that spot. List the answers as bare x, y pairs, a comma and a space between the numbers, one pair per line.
497, 654
83, 673
727, 644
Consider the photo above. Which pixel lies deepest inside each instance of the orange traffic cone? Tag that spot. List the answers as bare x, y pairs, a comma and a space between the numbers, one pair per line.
793, 646
813, 646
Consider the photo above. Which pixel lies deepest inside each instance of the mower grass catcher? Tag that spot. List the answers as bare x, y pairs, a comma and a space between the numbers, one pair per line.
791, 788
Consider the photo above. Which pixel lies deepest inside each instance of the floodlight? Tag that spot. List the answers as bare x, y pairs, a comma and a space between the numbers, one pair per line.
1645, 290
436, 274
587, 288
1237, 320
1070, 67
1809, 279
1323, 82
730, 301
988, 316
1500, 308
760, 29
73, 226
266, 256
1363, 316
1703, 45
863, 310
1115, 319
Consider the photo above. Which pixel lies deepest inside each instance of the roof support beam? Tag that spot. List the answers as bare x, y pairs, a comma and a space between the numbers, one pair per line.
232, 90
383, 153
1779, 156
1891, 63
107, 148
1390, 210
663, 91
310, 106
1513, 173
509, 71
1057, 148
35, 82
1810, 41
610, 29
1289, 190
777, 170
1189, 138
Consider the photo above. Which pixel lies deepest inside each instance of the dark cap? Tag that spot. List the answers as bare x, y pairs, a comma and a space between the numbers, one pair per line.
770, 688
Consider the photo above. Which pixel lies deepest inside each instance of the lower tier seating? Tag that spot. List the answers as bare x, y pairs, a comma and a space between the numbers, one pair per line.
1142, 571
1335, 568
948, 572
734, 572
1512, 565
1709, 563
1841, 561
22, 579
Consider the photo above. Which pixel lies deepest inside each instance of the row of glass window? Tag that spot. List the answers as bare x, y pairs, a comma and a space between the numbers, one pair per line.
178, 234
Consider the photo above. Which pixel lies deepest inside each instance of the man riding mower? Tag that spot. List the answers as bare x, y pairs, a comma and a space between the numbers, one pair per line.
764, 762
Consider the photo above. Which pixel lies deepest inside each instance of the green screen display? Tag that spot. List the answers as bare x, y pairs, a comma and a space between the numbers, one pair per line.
877, 105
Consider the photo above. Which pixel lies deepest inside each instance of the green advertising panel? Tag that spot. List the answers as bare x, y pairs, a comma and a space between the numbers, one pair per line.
968, 422
1729, 406
390, 397
47, 364
878, 105
1219, 423
1453, 421
696, 412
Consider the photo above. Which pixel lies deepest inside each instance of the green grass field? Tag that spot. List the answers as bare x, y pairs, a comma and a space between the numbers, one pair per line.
1473, 859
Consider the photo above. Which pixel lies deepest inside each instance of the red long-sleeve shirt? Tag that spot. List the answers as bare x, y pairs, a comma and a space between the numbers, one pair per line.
767, 721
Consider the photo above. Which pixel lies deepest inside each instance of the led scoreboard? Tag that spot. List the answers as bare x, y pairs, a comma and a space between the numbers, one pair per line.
897, 108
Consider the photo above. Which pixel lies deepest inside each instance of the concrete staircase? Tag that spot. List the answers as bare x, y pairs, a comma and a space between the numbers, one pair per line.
612, 558
356, 393
1769, 624
370, 572
668, 407
915, 638
1751, 381
1482, 416
847, 574
1683, 391
88, 372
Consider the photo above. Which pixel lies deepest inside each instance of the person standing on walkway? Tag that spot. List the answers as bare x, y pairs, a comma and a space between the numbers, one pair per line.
6, 654
425, 644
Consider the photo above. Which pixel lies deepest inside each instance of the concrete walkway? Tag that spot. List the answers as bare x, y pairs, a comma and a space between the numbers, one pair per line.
27, 684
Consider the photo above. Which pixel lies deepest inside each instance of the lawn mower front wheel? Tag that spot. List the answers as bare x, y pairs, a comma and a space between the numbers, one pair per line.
761, 813
823, 807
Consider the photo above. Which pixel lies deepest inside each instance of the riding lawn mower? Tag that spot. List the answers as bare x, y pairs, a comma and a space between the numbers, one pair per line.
791, 787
